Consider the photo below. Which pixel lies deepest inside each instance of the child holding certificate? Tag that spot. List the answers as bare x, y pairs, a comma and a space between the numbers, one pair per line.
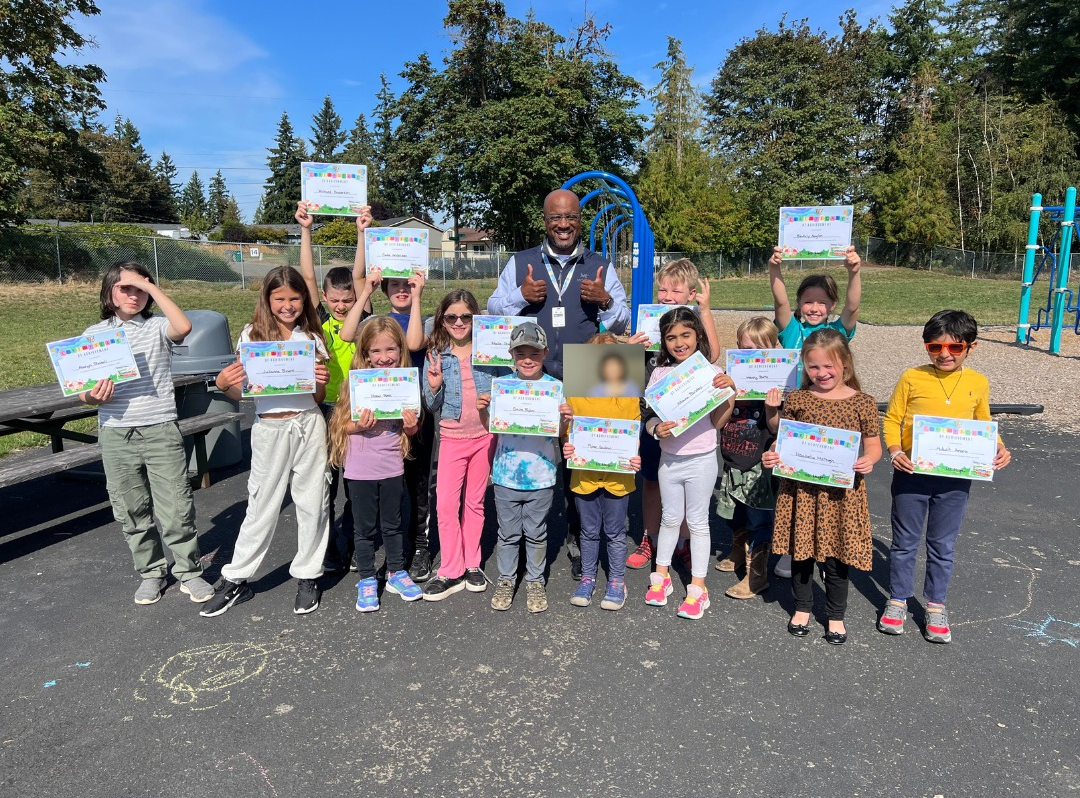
288, 450
830, 525
141, 447
815, 300
945, 388
687, 467
372, 454
524, 472
602, 499
745, 498
452, 386
678, 282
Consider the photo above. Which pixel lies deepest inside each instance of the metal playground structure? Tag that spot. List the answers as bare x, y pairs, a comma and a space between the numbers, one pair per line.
616, 208
1054, 254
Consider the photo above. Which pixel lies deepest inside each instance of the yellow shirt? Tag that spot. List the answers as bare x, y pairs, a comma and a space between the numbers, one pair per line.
922, 391
604, 407
341, 355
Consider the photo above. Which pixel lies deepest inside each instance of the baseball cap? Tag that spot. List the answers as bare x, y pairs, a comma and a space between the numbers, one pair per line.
528, 333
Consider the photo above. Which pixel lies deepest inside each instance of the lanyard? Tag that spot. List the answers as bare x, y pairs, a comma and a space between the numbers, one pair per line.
560, 289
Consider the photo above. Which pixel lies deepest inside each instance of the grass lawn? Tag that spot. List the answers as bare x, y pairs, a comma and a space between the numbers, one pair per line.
890, 296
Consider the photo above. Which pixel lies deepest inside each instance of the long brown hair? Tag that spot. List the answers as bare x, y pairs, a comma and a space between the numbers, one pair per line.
440, 338
112, 277
264, 325
342, 415
682, 315
835, 345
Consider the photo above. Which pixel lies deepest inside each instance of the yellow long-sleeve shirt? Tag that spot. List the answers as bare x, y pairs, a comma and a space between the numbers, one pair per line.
922, 391
604, 407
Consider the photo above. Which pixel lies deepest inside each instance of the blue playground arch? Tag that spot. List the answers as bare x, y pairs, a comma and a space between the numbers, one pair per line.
619, 208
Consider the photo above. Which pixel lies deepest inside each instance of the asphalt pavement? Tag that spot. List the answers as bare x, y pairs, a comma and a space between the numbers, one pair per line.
99, 697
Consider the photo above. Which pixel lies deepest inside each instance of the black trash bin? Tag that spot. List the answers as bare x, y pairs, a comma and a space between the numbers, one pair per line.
208, 349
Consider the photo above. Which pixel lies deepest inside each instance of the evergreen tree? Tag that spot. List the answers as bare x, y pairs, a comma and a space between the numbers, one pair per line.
678, 111
327, 134
193, 208
217, 200
166, 188
282, 188
231, 216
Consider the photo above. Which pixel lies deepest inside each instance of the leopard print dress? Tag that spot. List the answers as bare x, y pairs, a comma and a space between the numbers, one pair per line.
816, 522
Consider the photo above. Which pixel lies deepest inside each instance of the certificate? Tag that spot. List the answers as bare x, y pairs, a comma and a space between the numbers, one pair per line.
648, 322
278, 368
333, 189
385, 392
819, 233
603, 444
81, 361
954, 447
821, 455
525, 407
396, 251
491, 339
755, 371
686, 393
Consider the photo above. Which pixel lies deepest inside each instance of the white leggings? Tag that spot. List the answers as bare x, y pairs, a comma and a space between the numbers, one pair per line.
686, 487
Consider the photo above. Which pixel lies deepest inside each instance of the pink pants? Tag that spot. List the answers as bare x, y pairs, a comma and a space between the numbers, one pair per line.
464, 464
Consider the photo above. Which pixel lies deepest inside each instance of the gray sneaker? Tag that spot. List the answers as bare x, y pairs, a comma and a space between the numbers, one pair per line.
504, 595
150, 590
198, 589
536, 596
892, 619
937, 624
783, 567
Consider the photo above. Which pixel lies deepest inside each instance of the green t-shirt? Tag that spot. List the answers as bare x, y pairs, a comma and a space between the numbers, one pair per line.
341, 355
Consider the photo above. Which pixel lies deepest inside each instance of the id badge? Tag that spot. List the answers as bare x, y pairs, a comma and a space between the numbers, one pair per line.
558, 316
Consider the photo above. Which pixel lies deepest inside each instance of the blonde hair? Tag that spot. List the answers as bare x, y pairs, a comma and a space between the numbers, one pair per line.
342, 415
835, 345
761, 331
681, 271
603, 338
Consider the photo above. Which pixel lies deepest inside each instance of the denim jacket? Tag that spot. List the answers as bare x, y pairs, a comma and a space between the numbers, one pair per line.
447, 400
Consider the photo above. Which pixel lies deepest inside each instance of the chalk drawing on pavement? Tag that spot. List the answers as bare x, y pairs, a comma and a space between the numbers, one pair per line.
1052, 630
203, 678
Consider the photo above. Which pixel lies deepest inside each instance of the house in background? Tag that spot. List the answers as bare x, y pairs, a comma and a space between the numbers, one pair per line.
470, 242
435, 234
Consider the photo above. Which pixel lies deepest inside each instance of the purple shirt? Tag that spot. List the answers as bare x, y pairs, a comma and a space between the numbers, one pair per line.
376, 453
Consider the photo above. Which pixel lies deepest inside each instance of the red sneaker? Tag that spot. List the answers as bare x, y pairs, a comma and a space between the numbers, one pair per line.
641, 557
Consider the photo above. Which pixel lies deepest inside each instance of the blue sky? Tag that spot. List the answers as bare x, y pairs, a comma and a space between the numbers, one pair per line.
207, 82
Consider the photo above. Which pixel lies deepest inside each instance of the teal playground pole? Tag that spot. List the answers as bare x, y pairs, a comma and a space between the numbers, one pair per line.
1029, 269
1064, 253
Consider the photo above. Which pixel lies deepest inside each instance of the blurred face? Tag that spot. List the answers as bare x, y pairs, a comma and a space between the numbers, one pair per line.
384, 353
458, 322
944, 359
286, 305
400, 293
128, 300
340, 302
822, 370
528, 361
680, 341
815, 306
613, 370
670, 292
562, 220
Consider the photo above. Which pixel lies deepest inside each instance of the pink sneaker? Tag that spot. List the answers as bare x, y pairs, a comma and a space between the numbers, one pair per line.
659, 589
695, 603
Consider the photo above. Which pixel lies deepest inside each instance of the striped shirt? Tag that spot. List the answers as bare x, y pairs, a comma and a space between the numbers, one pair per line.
149, 399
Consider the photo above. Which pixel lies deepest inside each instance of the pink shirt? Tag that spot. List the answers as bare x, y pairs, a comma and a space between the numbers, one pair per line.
701, 438
469, 425
375, 454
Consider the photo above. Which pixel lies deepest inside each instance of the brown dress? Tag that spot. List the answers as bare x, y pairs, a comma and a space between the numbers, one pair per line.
816, 522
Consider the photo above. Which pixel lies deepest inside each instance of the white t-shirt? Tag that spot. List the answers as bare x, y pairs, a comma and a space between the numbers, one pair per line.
285, 404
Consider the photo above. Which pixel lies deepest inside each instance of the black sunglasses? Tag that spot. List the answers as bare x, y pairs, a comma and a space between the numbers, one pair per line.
453, 318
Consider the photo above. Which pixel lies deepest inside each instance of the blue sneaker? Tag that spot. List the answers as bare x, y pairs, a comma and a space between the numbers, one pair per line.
367, 600
401, 583
615, 595
583, 595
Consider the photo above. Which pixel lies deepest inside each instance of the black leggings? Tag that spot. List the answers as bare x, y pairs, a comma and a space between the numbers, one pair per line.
377, 506
836, 587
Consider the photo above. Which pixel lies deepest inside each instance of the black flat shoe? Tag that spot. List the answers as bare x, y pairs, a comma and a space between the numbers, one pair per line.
835, 638
798, 630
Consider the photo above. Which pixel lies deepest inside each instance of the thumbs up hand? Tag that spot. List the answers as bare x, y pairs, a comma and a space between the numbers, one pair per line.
593, 290
534, 291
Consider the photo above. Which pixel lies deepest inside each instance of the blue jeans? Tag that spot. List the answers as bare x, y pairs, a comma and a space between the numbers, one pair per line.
600, 511
758, 524
938, 504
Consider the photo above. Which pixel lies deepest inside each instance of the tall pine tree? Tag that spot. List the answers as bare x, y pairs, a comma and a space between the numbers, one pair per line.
193, 210
217, 200
282, 188
326, 131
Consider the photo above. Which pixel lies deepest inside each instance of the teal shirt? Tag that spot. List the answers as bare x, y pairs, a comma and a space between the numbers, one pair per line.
792, 336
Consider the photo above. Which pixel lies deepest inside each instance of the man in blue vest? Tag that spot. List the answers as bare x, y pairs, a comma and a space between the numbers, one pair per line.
567, 288
570, 291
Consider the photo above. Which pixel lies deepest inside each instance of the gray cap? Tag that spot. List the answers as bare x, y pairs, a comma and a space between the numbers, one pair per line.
528, 333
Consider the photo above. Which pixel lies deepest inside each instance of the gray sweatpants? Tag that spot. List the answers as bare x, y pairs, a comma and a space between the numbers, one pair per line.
522, 513
285, 453
686, 488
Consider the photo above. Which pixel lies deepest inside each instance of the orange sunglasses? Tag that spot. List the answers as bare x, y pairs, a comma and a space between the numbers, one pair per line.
954, 349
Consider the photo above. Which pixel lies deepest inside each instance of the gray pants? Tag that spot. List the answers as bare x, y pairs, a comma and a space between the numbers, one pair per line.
686, 488
146, 475
285, 453
522, 513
